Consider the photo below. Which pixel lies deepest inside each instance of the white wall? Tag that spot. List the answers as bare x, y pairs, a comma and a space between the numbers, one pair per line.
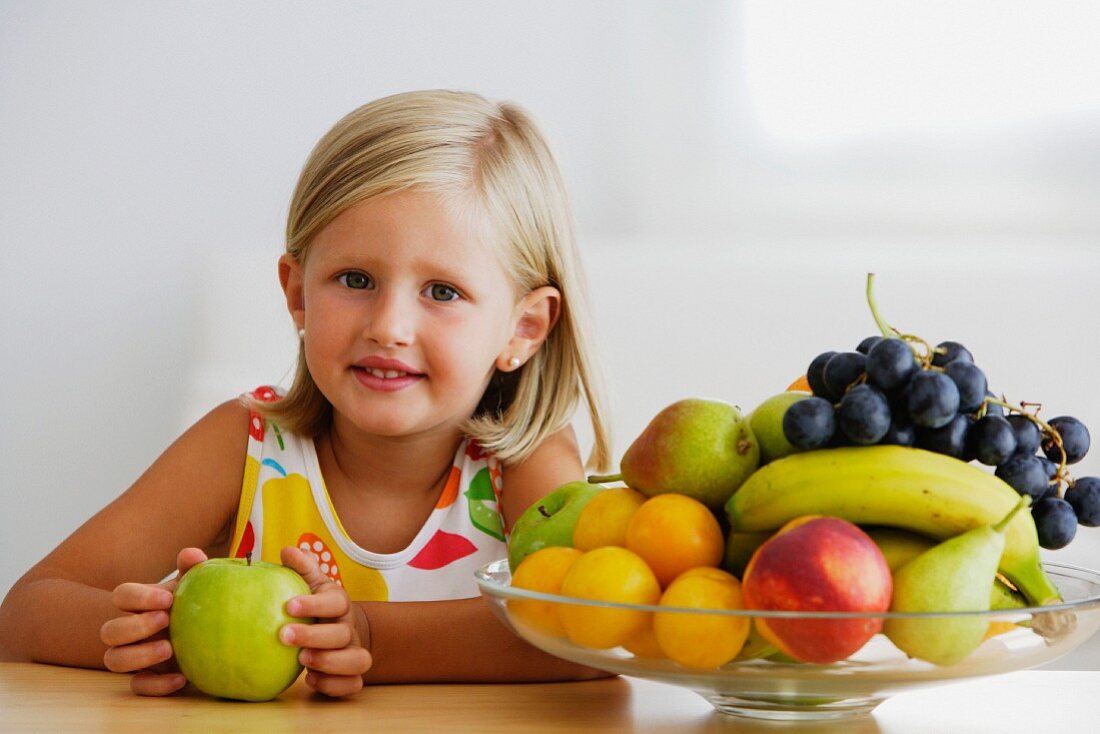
736, 170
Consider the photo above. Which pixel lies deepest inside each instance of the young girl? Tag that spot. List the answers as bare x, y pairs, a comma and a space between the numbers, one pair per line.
431, 273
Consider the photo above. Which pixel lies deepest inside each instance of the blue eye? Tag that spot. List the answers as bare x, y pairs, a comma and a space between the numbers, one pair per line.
441, 292
356, 281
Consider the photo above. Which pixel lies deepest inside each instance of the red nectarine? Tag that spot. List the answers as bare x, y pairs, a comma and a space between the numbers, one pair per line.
818, 564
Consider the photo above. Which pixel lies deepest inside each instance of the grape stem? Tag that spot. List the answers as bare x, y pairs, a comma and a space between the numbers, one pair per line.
885, 328
888, 331
1044, 427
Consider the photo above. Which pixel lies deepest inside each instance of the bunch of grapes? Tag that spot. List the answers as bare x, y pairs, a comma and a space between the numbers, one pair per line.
897, 389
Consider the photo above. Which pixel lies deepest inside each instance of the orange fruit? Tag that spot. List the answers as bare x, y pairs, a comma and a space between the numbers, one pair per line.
702, 640
604, 519
609, 574
706, 572
800, 385
674, 533
542, 571
644, 644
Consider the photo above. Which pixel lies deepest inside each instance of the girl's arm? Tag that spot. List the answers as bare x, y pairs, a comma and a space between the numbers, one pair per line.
188, 497
455, 641
463, 640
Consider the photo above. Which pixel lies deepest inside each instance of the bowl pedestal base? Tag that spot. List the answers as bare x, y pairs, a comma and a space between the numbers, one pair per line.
791, 707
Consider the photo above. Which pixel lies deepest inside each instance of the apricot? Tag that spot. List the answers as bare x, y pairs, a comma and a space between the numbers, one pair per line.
607, 574
542, 571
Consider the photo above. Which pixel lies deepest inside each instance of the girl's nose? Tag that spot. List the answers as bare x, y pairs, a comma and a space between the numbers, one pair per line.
390, 321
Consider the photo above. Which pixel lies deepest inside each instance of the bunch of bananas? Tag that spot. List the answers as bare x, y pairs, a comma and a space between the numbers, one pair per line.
931, 494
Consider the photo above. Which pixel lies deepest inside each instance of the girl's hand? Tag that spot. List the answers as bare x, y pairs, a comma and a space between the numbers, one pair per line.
138, 640
332, 649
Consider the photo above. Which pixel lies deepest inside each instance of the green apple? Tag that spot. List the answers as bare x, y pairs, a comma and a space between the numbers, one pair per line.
224, 627
766, 422
550, 521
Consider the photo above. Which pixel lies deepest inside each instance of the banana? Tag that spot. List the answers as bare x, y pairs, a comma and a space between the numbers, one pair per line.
898, 546
904, 487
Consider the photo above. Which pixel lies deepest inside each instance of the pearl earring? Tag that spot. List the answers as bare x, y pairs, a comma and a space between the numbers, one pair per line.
513, 362
302, 333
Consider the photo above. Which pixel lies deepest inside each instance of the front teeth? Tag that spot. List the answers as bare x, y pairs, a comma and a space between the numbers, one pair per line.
386, 374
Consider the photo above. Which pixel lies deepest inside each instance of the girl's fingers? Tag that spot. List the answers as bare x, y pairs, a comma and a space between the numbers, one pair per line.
305, 564
318, 636
331, 603
148, 683
353, 661
134, 597
128, 658
133, 628
189, 557
334, 685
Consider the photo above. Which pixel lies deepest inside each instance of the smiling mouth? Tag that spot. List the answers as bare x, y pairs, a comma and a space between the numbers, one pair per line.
387, 378
385, 374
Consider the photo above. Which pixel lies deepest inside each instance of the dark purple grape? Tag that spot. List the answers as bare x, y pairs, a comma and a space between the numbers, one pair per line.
902, 432
990, 408
994, 440
815, 376
1055, 522
949, 439
1051, 470
809, 423
1084, 497
1024, 473
865, 345
971, 382
1027, 434
948, 352
931, 399
890, 364
863, 415
1075, 439
842, 370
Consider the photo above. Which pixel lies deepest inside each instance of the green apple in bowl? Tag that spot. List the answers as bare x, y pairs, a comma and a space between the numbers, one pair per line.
766, 422
550, 521
224, 627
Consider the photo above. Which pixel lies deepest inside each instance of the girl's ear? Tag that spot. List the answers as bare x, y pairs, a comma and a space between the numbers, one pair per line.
535, 316
290, 277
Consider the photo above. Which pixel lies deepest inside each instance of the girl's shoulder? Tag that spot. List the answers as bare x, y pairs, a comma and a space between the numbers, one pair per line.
223, 431
556, 461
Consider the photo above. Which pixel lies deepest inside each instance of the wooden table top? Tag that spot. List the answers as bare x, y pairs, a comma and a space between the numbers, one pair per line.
52, 699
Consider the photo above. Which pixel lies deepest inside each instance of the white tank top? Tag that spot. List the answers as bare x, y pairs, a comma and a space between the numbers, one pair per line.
284, 502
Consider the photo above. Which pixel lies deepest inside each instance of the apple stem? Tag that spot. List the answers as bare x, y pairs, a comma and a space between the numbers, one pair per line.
248, 558
543, 512
604, 478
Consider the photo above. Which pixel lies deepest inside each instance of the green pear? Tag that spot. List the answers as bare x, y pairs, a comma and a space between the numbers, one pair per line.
766, 422
953, 576
900, 546
700, 448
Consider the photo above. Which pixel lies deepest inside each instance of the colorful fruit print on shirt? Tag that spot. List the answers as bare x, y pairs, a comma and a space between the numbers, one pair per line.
284, 503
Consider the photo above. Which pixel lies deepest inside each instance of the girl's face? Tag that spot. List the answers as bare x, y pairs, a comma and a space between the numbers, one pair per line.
407, 311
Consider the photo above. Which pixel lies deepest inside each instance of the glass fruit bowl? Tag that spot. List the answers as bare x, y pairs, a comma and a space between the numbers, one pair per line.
763, 683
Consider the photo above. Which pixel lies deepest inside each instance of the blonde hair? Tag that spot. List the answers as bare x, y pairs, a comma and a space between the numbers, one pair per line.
460, 144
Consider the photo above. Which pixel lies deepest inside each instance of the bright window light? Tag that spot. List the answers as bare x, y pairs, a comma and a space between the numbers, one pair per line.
825, 73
